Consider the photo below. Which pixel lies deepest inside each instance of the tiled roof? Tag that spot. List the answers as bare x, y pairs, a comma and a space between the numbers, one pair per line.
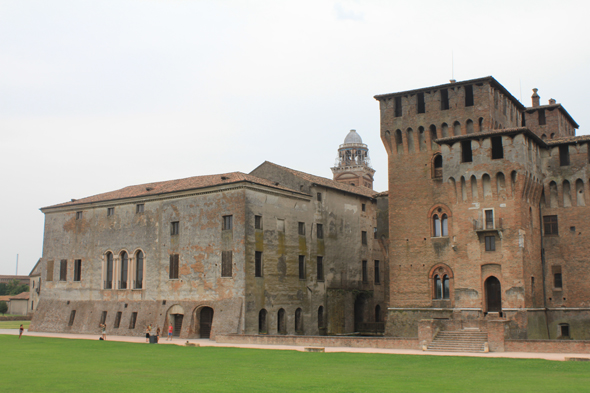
170, 186
5, 298
483, 134
568, 139
382, 194
325, 182
21, 296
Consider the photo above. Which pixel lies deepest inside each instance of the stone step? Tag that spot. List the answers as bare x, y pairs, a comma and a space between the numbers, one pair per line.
459, 341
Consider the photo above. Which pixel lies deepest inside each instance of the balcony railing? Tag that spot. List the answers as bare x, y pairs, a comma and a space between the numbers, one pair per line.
488, 225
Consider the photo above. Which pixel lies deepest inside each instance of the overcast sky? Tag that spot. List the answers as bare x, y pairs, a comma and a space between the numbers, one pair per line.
99, 95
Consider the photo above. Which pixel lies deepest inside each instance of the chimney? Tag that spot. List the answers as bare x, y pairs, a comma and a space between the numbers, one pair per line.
552, 101
535, 98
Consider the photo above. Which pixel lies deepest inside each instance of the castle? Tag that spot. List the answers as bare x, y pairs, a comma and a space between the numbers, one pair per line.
487, 212
483, 227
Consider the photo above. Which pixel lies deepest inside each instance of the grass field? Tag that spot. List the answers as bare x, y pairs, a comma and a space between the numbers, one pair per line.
14, 324
36, 364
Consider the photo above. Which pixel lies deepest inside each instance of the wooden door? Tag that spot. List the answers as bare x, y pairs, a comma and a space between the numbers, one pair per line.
493, 294
205, 321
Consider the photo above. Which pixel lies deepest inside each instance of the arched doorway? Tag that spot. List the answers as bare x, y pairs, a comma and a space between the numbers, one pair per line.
493, 294
205, 322
175, 317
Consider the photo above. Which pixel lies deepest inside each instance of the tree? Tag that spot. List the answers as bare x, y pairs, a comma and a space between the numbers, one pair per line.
14, 287
3, 289
3, 307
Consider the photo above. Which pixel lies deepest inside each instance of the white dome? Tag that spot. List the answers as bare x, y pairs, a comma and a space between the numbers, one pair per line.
353, 137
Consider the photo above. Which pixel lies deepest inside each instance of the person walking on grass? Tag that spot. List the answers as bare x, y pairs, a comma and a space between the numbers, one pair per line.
21, 329
104, 331
170, 330
148, 330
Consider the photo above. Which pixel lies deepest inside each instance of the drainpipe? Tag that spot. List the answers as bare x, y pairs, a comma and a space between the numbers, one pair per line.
543, 269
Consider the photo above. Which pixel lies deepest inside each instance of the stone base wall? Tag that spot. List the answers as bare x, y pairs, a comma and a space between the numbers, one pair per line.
547, 346
321, 341
54, 316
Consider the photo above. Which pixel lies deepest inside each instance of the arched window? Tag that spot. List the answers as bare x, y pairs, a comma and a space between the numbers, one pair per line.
124, 270
441, 278
421, 139
108, 282
487, 186
138, 284
398, 142
436, 225
433, 137
480, 126
469, 126
463, 189
437, 166
298, 321
580, 200
410, 134
445, 130
457, 128
553, 194
281, 325
444, 229
262, 326
500, 184
474, 195
567, 194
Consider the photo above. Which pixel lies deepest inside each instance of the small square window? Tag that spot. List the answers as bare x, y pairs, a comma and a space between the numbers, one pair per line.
110, 211
227, 224
78, 215
174, 228
320, 229
257, 222
490, 243
301, 229
139, 208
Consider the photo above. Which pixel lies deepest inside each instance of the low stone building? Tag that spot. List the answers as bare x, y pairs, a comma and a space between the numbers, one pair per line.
20, 304
276, 251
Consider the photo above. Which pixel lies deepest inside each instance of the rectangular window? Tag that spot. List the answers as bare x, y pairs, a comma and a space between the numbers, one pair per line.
320, 268
364, 273
444, 99
117, 320
398, 107
257, 264
364, 207
490, 243
132, 320
257, 222
564, 155
63, 270
489, 217
174, 228
542, 120
375, 233
468, 95
77, 270
550, 225
301, 229
78, 215
364, 237
72, 317
49, 271
227, 224
280, 225
319, 196
466, 154
139, 208
110, 211
557, 280
421, 104
377, 273
497, 148
320, 228
174, 262
103, 318
302, 267
226, 264
564, 330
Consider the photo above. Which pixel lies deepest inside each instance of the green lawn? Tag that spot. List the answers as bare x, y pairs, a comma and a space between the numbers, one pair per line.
36, 364
14, 324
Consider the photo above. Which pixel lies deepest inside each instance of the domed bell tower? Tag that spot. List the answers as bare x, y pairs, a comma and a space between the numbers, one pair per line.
353, 165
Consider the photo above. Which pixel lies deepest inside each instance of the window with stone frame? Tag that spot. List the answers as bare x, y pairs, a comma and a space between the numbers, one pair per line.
441, 282
174, 266
226, 264
550, 227
77, 269
63, 270
257, 222
257, 263
320, 231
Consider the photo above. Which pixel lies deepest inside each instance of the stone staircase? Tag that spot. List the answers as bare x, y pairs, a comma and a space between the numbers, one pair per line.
467, 340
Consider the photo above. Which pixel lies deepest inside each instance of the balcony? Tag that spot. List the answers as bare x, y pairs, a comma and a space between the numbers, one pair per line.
483, 226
